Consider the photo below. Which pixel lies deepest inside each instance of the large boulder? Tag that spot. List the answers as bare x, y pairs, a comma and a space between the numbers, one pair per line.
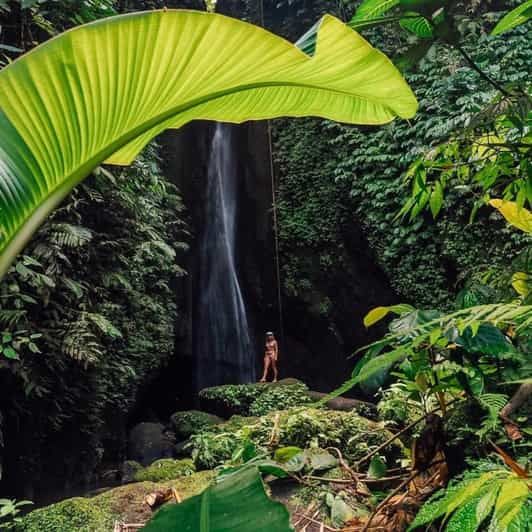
189, 422
149, 442
253, 399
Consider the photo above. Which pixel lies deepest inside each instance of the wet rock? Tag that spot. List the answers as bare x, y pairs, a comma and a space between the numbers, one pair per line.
347, 404
128, 470
149, 442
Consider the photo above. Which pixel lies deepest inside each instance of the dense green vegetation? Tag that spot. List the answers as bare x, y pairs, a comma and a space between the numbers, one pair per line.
438, 207
360, 173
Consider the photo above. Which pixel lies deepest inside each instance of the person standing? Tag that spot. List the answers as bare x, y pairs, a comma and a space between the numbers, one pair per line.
271, 354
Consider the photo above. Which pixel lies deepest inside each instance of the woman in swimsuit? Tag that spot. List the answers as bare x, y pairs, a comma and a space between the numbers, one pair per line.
270, 357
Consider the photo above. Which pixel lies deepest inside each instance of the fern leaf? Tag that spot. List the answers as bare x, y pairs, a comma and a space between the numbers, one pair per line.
70, 236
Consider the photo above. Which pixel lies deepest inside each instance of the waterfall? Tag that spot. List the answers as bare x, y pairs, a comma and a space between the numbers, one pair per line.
223, 349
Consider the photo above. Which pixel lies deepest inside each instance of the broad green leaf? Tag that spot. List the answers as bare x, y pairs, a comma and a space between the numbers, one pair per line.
320, 459
418, 25
512, 495
436, 199
485, 504
522, 283
517, 216
465, 518
237, 504
10, 353
488, 340
295, 463
102, 91
378, 313
453, 497
371, 9
377, 467
516, 17
284, 454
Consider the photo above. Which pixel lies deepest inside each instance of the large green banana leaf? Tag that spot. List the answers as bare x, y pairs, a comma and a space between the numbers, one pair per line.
102, 91
237, 504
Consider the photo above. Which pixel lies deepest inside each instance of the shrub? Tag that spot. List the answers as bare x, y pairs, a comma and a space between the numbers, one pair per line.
300, 426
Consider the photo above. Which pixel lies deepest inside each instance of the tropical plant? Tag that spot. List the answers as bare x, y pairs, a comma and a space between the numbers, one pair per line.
489, 497
90, 321
55, 133
516, 17
236, 501
9, 510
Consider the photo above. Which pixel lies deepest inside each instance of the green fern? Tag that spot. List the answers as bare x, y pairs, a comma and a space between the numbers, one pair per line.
70, 236
466, 506
493, 404
10, 318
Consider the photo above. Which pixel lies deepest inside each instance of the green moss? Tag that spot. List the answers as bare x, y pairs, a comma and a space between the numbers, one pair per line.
71, 515
97, 514
233, 398
280, 398
255, 399
191, 422
165, 469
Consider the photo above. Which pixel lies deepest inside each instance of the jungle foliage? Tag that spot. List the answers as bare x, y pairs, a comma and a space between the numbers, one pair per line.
358, 177
88, 313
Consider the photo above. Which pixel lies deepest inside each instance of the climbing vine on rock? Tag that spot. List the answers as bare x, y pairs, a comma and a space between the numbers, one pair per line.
335, 178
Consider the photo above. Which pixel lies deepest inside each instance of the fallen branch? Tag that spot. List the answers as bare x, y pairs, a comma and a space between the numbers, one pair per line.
395, 492
315, 521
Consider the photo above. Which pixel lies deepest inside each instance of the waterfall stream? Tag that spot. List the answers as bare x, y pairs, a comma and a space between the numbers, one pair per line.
224, 350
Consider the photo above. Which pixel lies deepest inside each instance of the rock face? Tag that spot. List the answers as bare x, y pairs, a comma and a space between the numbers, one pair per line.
185, 157
149, 442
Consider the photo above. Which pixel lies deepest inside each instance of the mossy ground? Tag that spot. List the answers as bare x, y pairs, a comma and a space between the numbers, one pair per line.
165, 469
97, 514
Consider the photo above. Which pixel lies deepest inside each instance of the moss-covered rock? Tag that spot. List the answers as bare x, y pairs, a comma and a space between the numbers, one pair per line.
230, 399
254, 399
353, 434
280, 397
165, 469
72, 515
189, 422
97, 514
